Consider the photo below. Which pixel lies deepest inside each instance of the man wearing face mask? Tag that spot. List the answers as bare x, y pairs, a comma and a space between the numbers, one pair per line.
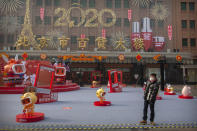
150, 95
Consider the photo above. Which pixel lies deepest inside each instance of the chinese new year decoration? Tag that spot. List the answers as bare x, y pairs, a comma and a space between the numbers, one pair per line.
138, 57
179, 58
101, 41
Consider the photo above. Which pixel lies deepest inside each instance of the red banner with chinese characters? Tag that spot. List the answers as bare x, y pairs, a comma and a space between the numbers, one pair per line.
158, 43
170, 32
147, 37
103, 33
42, 13
129, 14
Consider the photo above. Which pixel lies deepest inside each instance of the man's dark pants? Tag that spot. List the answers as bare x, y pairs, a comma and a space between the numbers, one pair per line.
152, 115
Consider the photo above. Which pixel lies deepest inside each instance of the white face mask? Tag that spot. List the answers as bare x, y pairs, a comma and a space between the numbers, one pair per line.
151, 79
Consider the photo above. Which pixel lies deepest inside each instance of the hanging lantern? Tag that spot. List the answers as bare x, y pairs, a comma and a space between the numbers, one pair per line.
179, 58
129, 14
24, 55
138, 57
42, 14
170, 32
121, 57
103, 33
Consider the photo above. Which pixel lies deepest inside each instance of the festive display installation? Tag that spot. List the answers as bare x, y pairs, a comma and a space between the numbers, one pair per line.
26, 39
158, 43
10, 6
82, 42
159, 12
135, 34
186, 93
101, 41
119, 41
95, 78
114, 84
100, 93
169, 90
60, 73
83, 57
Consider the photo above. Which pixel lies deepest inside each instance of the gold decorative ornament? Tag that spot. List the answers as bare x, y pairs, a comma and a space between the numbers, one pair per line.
100, 17
159, 12
120, 44
61, 21
63, 41
26, 38
139, 43
82, 42
101, 42
91, 21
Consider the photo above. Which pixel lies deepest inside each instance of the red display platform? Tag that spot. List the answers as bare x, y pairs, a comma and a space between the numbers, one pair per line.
159, 98
167, 93
185, 97
23, 118
18, 89
105, 103
116, 90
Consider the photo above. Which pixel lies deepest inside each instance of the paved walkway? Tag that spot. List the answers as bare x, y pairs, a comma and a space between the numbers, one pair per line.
75, 110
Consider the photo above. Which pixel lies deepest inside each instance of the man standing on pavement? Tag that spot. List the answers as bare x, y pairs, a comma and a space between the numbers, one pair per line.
150, 95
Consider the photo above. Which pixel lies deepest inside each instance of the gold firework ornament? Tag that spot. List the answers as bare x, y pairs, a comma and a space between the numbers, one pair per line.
82, 42
26, 38
143, 3
159, 12
101, 42
63, 41
139, 43
10, 6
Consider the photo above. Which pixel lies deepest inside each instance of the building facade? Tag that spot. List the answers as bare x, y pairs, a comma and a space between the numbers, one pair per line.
91, 19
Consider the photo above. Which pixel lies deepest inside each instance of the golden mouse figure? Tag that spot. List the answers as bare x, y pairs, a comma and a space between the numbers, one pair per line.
100, 93
28, 100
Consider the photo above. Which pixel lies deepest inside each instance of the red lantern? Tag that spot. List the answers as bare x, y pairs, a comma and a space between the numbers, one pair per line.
170, 32
42, 13
129, 14
179, 58
138, 57
24, 55
83, 36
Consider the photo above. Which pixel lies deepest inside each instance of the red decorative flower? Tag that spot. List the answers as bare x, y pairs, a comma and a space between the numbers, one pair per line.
138, 57
24, 55
179, 58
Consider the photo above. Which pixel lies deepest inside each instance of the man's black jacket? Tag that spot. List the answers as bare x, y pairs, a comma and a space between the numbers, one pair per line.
151, 91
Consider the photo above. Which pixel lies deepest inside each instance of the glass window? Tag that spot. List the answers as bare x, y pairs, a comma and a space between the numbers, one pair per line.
126, 22
160, 23
191, 6
192, 42
2, 38
38, 20
10, 38
48, 2
109, 3
39, 2
192, 24
91, 40
20, 19
108, 20
47, 20
91, 3
118, 22
184, 42
152, 23
126, 3
184, 23
83, 3
117, 3
183, 6
57, 2
73, 39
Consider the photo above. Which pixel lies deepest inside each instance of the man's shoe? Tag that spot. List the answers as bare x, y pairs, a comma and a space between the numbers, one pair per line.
143, 122
152, 123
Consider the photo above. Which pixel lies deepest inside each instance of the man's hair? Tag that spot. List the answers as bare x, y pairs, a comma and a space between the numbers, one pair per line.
153, 74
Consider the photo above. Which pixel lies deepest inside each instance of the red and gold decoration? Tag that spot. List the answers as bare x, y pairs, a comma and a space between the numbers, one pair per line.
138, 57
43, 56
139, 43
121, 57
101, 41
82, 41
63, 41
129, 14
170, 32
83, 57
179, 58
157, 57
42, 14
25, 55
